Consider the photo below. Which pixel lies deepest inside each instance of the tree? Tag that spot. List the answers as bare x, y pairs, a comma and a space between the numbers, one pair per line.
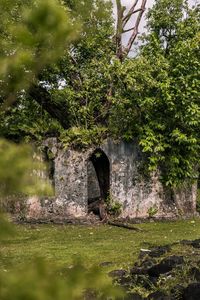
16, 164
128, 18
82, 102
29, 32
159, 92
96, 89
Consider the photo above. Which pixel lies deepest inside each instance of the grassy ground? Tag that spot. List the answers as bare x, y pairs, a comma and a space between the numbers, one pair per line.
95, 244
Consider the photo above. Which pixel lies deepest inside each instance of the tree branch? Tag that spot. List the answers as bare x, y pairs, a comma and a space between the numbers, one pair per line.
122, 20
119, 29
135, 29
57, 110
130, 13
128, 30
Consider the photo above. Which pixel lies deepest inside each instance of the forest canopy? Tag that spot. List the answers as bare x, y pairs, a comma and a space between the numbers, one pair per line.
87, 88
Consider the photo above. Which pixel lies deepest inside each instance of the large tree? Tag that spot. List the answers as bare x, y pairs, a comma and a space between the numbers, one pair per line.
96, 89
159, 91
88, 58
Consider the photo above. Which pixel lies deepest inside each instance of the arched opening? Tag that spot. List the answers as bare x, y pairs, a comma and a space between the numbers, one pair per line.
98, 171
50, 164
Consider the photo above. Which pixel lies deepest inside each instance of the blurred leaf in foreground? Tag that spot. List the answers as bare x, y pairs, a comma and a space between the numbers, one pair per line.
33, 34
41, 282
19, 171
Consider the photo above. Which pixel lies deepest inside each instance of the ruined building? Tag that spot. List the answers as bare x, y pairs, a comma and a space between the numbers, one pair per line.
111, 172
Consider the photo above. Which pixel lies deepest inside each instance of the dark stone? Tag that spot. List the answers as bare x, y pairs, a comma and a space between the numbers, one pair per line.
186, 242
134, 296
158, 295
143, 268
138, 271
166, 265
154, 252
106, 264
143, 253
159, 251
195, 273
117, 273
142, 280
192, 292
125, 281
148, 263
177, 292
194, 243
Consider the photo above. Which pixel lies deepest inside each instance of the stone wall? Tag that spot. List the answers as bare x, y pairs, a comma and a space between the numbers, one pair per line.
138, 195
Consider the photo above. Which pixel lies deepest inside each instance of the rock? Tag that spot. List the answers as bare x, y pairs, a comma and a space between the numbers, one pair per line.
154, 252
192, 292
195, 273
145, 281
134, 296
159, 251
143, 253
144, 267
165, 266
125, 281
194, 243
117, 273
106, 264
138, 271
158, 295
177, 292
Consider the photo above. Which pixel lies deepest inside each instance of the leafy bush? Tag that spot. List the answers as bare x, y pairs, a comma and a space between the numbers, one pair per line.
152, 211
41, 281
114, 207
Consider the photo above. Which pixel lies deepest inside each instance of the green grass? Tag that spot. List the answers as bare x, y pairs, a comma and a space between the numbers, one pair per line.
94, 244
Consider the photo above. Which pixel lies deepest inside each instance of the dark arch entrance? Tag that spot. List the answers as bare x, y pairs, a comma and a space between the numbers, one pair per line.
48, 159
98, 180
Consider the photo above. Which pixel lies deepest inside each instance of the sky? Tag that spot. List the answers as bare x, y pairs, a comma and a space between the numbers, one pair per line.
150, 3
129, 3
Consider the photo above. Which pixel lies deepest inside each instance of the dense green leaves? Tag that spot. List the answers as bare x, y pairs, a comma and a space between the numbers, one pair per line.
42, 281
158, 92
19, 169
33, 34
153, 97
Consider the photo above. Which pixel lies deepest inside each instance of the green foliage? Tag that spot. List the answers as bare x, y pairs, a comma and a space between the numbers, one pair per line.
101, 244
36, 39
152, 98
6, 228
152, 211
27, 122
79, 80
33, 35
19, 169
115, 209
41, 281
80, 137
113, 206
157, 94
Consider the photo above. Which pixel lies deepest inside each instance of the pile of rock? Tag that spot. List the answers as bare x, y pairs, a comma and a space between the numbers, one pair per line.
160, 275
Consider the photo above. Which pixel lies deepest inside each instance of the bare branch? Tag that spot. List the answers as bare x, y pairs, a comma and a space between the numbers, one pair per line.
135, 30
128, 30
130, 13
122, 20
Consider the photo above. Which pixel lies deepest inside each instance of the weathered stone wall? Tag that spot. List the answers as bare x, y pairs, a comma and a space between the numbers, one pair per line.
137, 194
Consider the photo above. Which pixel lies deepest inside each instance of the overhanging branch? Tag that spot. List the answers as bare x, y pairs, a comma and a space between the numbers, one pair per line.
57, 110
